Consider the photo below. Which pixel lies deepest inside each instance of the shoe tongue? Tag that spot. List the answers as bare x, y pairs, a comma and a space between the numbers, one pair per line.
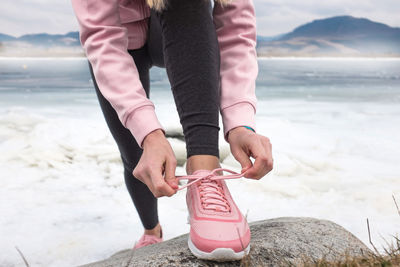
218, 203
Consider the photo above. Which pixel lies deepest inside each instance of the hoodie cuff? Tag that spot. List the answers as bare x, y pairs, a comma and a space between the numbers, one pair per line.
141, 122
241, 114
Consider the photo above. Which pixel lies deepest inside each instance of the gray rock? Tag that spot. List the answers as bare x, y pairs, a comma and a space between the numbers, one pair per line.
274, 242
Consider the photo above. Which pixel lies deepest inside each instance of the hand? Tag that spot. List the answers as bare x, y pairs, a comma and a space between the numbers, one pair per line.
244, 144
156, 167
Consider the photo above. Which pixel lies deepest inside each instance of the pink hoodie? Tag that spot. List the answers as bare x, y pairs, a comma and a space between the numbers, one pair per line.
108, 28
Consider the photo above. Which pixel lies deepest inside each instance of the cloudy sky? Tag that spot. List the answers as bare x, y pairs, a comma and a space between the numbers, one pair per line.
19, 17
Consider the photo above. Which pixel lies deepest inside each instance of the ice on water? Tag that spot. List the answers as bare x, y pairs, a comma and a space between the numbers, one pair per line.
333, 125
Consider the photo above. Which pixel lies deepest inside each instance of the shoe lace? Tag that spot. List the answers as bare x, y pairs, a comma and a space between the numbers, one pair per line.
212, 195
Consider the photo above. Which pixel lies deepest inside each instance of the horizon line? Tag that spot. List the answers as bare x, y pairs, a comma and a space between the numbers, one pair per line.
266, 36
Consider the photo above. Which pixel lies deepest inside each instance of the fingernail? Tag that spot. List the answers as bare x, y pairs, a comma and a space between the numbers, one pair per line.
245, 169
173, 184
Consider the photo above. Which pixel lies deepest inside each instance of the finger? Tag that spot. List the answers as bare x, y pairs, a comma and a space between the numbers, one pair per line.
245, 169
161, 188
243, 159
170, 168
263, 163
259, 167
268, 149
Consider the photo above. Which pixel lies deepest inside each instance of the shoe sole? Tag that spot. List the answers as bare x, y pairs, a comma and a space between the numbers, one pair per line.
218, 254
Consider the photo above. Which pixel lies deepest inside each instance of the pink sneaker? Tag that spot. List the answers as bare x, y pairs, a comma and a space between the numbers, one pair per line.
147, 240
218, 230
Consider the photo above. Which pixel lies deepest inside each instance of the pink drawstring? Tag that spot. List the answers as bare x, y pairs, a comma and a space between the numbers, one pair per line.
211, 176
212, 195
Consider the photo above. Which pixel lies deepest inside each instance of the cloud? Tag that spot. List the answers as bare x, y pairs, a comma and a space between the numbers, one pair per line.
19, 17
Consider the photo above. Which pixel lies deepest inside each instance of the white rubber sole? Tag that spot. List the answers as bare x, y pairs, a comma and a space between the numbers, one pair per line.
218, 254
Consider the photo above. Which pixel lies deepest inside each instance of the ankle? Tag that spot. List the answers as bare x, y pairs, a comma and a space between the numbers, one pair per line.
201, 162
156, 231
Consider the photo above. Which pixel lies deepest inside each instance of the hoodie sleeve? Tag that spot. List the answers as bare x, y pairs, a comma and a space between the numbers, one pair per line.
105, 43
236, 30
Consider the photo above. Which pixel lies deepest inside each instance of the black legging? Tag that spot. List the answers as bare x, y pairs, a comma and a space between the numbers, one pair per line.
182, 38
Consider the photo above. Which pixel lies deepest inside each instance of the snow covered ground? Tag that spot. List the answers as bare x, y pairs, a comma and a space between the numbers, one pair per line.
63, 201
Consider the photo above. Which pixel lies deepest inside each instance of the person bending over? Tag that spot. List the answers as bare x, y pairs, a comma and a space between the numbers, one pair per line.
208, 51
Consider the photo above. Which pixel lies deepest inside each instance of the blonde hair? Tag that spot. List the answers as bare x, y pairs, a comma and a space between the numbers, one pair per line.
160, 4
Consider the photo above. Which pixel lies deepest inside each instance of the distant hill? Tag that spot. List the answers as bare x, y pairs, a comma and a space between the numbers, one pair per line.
336, 36
46, 40
6, 37
41, 44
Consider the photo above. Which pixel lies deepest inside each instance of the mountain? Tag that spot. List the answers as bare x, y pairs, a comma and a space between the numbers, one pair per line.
41, 44
46, 40
6, 37
263, 39
336, 36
